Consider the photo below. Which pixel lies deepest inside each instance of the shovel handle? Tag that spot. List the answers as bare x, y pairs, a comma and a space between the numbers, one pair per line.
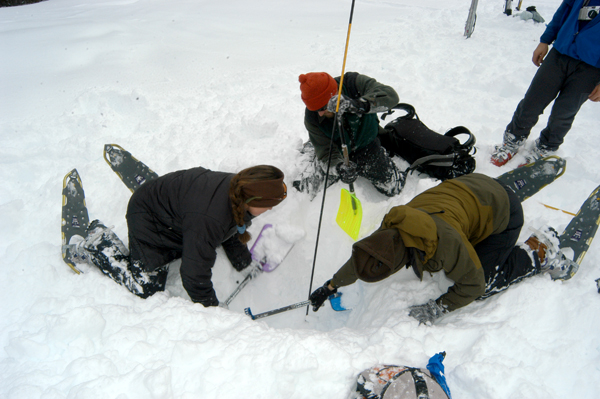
275, 311
334, 300
238, 289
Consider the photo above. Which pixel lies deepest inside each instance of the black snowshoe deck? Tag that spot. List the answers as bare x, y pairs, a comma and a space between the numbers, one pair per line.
130, 170
579, 233
528, 179
75, 218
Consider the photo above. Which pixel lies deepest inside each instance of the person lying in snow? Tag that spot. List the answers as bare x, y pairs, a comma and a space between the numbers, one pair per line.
362, 97
468, 227
185, 214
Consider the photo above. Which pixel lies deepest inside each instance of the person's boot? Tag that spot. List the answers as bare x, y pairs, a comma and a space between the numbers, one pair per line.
538, 151
505, 152
311, 179
394, 183
552, 260
99, 237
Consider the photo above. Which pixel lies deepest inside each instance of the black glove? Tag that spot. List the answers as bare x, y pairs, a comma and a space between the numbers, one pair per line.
237, 253
428, 312
347, 173
347, 104
320, 295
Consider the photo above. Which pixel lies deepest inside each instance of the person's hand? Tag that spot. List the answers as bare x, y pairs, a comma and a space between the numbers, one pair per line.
539, 53
320, 295
238, 254
254, 269
347, 173
347, 104
595, 94
426, 313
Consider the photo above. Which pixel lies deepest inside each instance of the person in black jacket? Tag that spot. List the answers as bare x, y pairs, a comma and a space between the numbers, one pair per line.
185, 214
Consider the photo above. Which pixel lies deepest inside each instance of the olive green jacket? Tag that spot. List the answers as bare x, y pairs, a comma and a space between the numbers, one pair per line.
439, 229
359, 130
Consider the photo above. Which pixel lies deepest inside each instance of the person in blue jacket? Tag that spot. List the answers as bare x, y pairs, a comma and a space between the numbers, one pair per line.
569, 74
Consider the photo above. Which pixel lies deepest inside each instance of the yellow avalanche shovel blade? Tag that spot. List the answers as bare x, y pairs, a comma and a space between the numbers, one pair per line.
350, 213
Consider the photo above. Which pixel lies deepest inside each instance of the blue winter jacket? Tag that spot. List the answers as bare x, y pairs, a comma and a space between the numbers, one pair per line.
564, 31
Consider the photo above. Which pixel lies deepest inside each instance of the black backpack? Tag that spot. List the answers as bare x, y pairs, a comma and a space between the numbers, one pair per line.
441, 156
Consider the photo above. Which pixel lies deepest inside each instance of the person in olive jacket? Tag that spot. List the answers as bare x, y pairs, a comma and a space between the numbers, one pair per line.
361, 98
185, 214
468, 227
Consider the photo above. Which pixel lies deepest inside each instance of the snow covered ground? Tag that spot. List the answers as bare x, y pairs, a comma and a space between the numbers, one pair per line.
198, 82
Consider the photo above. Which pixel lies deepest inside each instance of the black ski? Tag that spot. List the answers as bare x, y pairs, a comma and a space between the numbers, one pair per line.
471, 19
508, 7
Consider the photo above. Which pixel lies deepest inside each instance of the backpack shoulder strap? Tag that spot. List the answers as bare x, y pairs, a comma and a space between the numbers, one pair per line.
409, 109
469, 143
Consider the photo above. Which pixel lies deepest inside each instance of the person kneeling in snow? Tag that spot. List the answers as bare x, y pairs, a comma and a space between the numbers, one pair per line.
362, 97
185, 214
468, 227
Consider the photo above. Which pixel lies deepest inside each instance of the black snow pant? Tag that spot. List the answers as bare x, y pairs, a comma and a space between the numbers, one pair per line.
107, 255
374, 164
503, 262
560, 77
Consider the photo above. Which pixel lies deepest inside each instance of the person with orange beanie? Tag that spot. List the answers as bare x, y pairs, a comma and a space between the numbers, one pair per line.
361, 98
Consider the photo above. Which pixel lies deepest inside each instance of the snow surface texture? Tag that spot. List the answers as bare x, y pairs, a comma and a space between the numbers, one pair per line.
215, 83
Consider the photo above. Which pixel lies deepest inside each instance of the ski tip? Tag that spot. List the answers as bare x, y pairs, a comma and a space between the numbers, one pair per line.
249, 313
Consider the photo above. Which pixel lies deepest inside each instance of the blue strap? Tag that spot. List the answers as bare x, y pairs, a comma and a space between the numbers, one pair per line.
436, 367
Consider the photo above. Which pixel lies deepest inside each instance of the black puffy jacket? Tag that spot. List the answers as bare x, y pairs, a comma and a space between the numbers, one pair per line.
185, 214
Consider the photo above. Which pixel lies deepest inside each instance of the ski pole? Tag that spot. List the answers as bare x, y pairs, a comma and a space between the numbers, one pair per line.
276, 311
346, 160
249, 277
335, 301
337, 106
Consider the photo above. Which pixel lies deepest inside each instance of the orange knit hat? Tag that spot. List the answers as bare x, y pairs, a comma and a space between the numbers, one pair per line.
317, 88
